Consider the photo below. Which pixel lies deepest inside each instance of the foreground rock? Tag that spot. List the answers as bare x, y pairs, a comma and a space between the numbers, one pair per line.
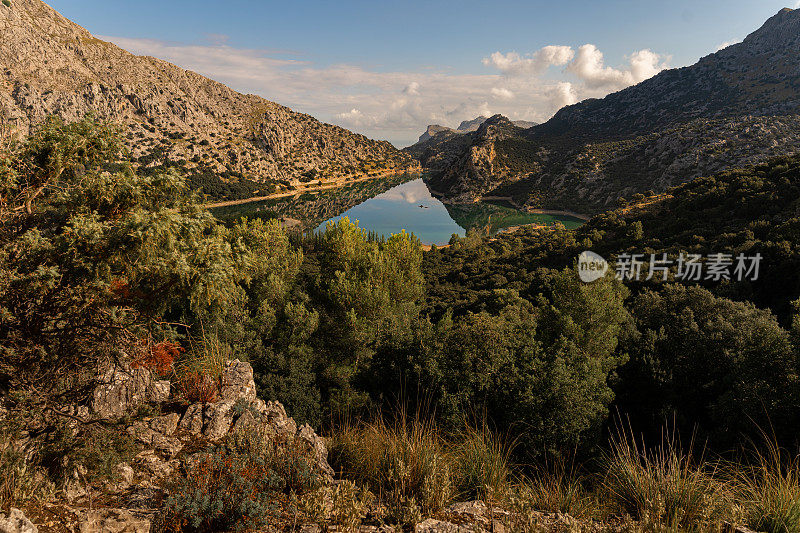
166, 436
16, 522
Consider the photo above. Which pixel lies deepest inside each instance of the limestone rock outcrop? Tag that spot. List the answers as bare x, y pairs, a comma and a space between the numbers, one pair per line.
16, 522
123, 388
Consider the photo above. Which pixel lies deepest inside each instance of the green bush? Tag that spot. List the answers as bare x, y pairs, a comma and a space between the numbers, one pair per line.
714, 366
20, 479
541, 367
96, 448
245, 486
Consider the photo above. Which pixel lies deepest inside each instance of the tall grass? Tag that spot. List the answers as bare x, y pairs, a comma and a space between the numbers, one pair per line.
414, 470
403, 462
481, 463
20, 480
554, 489
769, 490
664, 487
199, 371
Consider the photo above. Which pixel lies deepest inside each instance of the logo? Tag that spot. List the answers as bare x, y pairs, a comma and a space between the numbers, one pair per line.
591, 266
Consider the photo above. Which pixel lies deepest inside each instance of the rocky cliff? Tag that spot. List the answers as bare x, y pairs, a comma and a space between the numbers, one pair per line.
170, 115
440, 146
735, 107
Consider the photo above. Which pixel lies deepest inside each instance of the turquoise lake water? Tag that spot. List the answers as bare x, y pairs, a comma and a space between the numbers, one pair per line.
411, 207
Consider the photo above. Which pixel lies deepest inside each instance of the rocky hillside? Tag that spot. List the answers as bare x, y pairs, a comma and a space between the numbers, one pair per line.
734, 107
440, 146
170, 115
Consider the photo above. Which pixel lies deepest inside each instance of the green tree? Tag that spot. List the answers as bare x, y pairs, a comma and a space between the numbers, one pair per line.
539, 368
710, 365
369, 295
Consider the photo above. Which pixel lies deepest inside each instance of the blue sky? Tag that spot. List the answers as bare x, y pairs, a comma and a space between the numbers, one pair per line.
387, 69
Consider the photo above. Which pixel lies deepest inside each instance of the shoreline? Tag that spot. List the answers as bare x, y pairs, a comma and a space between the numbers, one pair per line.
490, 199
326, 186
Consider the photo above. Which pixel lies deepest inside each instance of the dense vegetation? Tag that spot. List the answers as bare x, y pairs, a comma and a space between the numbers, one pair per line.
98, 262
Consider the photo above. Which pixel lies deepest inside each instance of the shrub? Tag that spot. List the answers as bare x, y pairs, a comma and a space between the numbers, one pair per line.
20, 480
159, 357
342, 504
96, 448
199, 373
7, 3
554, 490
481, 462
246, 486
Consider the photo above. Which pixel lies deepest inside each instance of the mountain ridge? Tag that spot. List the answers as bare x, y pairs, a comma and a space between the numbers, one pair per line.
734, 107
172, 116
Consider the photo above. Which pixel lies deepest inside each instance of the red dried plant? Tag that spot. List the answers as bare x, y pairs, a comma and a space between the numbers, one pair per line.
120, 288
159, 357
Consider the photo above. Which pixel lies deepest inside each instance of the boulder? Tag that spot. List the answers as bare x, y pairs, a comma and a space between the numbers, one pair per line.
192, 420
432, 525
154, 464
16, 522
217, 419
166, 424
278, 423
237, 381
245, 422
165, 444
122, 389
112, 521
317, 447
125, 474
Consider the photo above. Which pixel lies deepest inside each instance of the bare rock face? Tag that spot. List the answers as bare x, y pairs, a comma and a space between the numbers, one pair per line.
237, 381
431, 525
52, 66
122, 389
113, 521
432, 131
317, 447
16, 522
238, 409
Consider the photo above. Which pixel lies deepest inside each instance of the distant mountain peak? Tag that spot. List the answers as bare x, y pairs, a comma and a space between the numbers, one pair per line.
471, 125
740, 105
780, 29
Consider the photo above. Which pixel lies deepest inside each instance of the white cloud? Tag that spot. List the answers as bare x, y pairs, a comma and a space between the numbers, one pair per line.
562, 94
399, 105
535, 63
502, 93
726, 44
411, 192
589, 66
412, 88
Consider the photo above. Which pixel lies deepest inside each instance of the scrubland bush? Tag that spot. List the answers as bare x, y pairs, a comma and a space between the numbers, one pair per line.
20, 479
249, 483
